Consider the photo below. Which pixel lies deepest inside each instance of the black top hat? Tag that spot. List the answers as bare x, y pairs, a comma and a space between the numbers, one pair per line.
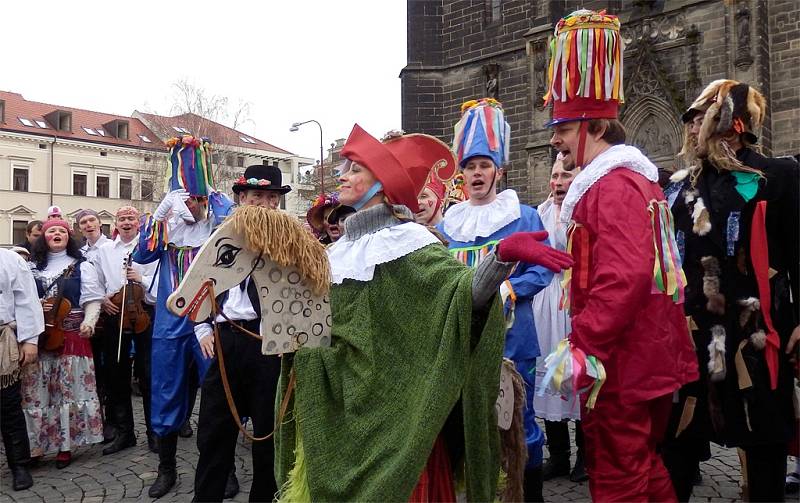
261, 177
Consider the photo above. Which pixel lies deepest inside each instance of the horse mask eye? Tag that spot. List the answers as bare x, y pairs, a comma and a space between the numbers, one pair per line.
226, 255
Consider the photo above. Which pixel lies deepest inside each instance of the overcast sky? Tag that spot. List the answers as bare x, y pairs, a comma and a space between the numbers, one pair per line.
334, 61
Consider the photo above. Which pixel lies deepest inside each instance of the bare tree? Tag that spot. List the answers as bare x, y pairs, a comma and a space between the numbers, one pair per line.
201, 113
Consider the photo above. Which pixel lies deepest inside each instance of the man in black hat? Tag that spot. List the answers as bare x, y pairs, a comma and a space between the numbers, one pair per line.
253, 383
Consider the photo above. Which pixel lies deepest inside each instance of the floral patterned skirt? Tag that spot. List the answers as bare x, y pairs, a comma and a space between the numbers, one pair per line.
59, 398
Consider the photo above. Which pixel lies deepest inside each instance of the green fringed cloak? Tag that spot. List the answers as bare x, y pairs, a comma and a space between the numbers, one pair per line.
406, 346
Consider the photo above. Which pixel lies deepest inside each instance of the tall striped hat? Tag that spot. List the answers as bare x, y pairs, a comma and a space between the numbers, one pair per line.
585, 69
190, 165
482, 131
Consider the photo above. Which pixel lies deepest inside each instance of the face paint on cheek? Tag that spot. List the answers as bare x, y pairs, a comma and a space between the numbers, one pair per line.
430, 203
358, 188
48, 237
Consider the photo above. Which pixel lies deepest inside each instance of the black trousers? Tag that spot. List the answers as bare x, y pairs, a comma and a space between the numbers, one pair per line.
253, 379
117, 375
98, 355
557, 433
766, 471
12, 426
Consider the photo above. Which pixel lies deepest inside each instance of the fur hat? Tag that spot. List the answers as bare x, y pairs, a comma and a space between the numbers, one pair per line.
728, 104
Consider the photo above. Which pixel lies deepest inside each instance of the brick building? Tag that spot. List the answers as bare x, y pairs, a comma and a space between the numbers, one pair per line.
458, 50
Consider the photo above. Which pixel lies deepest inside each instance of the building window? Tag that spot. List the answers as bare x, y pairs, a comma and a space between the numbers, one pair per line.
283, 202
2, 110
20, 179
147, 190
240, 162
106, 228
78, 184
19, 227
125, 188
103, 183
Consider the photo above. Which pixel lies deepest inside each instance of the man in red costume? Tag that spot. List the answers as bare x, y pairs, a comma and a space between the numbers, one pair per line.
626, 287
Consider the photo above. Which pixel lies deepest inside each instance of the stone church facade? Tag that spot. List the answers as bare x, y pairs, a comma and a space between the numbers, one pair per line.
459, 50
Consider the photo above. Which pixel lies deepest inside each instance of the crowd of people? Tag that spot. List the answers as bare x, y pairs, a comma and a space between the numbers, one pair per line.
660, 315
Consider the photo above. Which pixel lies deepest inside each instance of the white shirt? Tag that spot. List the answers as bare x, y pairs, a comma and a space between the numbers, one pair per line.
237, 306
57, 262
89, 251
19, 300
110, 260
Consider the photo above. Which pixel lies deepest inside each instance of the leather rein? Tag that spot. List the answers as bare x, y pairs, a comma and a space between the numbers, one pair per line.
216, 310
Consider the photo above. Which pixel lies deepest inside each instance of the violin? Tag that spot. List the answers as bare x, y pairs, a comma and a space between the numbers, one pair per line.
130, 301
53, 322
56, 309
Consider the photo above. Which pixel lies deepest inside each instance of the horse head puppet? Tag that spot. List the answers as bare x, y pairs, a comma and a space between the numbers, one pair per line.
288, 266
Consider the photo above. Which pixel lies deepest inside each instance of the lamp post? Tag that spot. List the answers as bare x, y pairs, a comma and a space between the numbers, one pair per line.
295, 127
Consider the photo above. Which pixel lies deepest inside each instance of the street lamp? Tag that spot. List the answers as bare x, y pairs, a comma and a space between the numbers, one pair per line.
296, 127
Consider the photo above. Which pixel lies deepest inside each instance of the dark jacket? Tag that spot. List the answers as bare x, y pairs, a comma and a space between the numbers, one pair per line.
753, 415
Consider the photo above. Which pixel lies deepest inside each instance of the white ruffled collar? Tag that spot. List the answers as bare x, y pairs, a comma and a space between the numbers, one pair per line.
465, 222
356, 259
618, 156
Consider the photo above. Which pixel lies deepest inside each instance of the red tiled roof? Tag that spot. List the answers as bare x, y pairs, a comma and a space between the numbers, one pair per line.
218, 133
17, 107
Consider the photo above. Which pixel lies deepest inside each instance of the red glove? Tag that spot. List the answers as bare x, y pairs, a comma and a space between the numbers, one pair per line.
527, 247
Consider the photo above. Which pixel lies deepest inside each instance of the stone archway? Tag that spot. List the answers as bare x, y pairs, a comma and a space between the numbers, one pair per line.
652, 126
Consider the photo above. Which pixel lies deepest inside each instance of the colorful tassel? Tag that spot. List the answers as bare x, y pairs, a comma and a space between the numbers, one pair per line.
566, 366
668, 275
190, 165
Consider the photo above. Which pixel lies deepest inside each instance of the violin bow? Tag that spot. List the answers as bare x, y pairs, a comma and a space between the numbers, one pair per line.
122, 307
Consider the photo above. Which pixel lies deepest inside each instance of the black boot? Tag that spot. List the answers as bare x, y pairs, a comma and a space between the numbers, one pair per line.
232, 485
121, 441
186, 430
167, 473
21, 477
152, 442
578, 473
557, 433
123, 420
532, 485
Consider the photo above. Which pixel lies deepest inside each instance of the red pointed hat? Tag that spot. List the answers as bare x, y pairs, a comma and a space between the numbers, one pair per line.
366, 150
585, 68
428, 160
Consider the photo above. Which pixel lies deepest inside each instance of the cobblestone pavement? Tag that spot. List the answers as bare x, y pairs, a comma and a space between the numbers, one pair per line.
128, 474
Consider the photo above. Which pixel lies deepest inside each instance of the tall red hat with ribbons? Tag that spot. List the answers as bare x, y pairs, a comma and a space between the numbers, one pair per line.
585, 69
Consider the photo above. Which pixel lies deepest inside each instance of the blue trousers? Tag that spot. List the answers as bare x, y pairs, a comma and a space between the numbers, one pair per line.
534, 437
170, 381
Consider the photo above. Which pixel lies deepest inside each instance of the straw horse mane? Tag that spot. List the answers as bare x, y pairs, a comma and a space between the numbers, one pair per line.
285, 241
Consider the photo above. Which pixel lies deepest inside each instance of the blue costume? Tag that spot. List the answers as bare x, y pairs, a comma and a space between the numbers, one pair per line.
174, 341
173, 242
473, 232
522, 345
